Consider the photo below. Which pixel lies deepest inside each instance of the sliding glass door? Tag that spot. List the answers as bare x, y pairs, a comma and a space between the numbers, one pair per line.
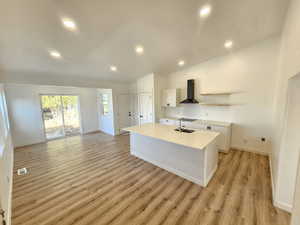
71, 117
60, 115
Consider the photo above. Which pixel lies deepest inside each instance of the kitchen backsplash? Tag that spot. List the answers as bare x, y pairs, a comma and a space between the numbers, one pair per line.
201, 112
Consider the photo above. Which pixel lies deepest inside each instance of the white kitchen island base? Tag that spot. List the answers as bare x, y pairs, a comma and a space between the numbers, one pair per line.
194, 164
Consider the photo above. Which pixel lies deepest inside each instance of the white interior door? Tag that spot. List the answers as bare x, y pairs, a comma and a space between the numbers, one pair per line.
145, 108
124, 112
134, 109
106, 112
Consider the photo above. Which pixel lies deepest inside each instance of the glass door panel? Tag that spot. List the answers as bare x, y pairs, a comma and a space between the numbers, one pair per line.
52, 116
71, 115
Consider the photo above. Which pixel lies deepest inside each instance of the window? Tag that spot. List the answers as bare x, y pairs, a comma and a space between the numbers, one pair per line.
105, 104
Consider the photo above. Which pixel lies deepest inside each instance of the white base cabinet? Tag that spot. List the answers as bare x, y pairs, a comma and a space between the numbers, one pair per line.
224, 139
170, 97
195, 165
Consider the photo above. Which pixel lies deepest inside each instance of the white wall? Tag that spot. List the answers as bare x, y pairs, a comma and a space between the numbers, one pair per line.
289, 153
6, 159
289, 66
25, 110
252, 71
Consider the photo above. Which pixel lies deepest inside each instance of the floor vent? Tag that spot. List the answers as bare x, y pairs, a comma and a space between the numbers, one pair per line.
22, 171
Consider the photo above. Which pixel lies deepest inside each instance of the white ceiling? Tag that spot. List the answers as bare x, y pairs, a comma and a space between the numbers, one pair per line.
109, 30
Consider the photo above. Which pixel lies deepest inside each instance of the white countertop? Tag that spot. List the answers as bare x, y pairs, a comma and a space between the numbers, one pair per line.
198, 139
206, 122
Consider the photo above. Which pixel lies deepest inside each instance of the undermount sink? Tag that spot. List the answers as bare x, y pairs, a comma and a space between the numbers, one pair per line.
184, 130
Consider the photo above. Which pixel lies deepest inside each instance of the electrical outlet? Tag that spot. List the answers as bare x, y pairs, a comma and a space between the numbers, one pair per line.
22, 171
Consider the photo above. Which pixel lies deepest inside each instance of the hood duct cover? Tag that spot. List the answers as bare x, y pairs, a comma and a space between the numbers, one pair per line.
190, 93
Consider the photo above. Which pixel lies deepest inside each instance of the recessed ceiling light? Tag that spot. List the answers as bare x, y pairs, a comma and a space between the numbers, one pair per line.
55, 54
205, 11
113, 68
181, 63
139, 49
69, 24
228, 44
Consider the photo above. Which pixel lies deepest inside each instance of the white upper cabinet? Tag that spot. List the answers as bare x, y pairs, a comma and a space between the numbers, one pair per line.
170, 97
145, 84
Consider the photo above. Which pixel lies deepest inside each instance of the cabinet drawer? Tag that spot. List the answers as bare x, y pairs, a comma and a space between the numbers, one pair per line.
167, 122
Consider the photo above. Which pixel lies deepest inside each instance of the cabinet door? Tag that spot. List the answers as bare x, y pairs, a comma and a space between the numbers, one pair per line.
221, 142
169, 98
198, 126
186, 124
167, 121
145, 108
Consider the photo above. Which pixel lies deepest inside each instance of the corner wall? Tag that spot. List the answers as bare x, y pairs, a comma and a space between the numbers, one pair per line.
252, 71
285, 177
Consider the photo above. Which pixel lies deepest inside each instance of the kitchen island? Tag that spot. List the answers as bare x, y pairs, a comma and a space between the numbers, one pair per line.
193, 156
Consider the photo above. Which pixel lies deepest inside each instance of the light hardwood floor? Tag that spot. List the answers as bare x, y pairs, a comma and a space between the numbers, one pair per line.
93, 180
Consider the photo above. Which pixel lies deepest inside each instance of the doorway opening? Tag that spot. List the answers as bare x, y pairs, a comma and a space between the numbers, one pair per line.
60, 115
106, 111
127, 111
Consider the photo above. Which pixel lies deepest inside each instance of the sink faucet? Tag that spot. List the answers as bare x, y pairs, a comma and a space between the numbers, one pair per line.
180, 124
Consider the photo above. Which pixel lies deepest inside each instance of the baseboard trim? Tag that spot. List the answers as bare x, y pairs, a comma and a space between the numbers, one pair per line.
249, 150
29, 145
272, 180
283, 206
92, 132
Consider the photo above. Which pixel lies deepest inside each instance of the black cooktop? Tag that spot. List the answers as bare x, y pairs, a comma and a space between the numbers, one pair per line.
187, 119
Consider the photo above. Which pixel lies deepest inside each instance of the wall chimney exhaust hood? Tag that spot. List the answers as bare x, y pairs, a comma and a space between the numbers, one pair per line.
190, 93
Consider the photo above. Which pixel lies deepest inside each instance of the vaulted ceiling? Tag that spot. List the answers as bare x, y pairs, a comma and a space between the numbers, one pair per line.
109, 30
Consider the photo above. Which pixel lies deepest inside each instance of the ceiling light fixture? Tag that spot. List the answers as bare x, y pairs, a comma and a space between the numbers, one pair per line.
69, 24
55, 54
205, 11
181, 63
113, 68
228, 44
139, 49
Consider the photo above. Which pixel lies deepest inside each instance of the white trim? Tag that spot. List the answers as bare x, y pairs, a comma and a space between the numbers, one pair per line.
170, 169
249, 150
272, 180
283, 206
278, 204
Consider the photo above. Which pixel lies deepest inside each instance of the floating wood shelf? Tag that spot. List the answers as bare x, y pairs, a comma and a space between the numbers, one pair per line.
218, 93
214, 104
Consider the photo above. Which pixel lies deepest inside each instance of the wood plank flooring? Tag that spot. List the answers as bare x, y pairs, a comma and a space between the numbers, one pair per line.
93, 180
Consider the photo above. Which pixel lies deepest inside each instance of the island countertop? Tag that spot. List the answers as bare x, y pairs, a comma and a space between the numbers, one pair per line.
197, 140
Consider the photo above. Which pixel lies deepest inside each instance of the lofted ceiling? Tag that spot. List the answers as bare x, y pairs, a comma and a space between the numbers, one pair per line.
108, 31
